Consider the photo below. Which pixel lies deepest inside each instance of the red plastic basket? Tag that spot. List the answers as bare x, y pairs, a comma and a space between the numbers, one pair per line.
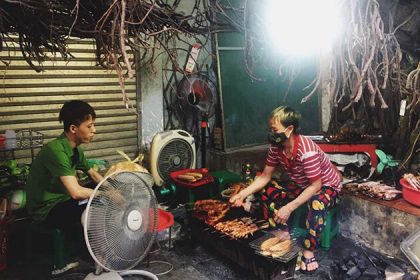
409, 193
207, 178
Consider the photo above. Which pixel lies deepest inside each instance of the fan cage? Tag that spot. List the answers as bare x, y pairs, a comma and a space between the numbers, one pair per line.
111, 242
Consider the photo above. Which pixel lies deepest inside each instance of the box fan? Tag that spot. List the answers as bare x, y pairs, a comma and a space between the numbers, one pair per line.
171, 150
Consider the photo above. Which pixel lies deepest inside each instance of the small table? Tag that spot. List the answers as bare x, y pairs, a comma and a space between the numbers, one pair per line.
351, 148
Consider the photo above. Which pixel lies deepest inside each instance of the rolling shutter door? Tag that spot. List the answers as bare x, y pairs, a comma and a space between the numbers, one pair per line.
31, 100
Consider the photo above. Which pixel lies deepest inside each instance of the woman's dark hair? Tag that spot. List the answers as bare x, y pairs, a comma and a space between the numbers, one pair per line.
75, 112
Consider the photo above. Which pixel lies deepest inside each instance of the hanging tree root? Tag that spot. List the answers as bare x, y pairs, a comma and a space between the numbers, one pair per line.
124, 30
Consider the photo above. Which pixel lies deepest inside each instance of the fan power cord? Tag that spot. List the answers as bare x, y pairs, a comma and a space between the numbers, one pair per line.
69, 276
171, 267
139, 272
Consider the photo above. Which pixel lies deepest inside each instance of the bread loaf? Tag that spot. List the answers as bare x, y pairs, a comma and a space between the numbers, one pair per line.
280, 245
279, 253
266, 253
280, 248
269, 243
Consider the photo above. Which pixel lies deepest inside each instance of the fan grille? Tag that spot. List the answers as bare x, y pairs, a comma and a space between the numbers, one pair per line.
121, 200
197, 92
176, 154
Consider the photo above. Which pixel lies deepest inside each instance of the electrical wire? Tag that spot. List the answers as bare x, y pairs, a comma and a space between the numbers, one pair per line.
70, 276
171, 266
163, 262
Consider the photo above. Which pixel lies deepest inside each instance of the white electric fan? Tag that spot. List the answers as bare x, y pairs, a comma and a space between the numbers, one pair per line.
120, 224
171, 150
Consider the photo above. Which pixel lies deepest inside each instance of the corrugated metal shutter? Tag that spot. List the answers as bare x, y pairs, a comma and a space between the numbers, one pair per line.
31, 100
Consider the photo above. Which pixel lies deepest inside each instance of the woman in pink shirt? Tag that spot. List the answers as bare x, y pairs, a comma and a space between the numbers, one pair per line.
314, 180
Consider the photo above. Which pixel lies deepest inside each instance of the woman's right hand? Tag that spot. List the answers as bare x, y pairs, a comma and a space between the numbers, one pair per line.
238, 199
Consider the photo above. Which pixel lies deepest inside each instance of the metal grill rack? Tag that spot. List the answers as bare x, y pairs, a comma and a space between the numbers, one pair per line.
256, 245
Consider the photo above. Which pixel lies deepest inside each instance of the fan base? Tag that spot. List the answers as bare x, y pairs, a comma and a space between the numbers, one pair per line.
104, 276
117, 276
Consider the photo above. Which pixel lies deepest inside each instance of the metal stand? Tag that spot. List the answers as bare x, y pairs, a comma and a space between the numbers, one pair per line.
204, 125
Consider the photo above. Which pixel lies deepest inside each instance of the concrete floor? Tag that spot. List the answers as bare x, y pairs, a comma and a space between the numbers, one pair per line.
190, 260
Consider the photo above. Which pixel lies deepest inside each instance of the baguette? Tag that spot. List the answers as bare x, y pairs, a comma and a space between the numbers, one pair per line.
196, 175
281, 246
266, 253
187, 178
279, 253
269, 243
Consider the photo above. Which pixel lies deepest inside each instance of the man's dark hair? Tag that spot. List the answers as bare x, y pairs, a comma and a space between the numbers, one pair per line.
286, 116
75, 112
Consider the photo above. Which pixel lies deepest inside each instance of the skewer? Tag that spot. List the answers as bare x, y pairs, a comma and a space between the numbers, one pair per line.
264, 226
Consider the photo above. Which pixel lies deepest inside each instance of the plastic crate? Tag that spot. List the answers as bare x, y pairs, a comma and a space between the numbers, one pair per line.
330, 230
409, 247
190, 192
207, 178
223, 178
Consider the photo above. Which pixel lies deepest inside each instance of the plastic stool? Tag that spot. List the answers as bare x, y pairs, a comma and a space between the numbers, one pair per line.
330, 229
59, 252
165, 220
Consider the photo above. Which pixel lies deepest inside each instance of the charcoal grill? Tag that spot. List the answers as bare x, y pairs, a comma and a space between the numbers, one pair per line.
245, 252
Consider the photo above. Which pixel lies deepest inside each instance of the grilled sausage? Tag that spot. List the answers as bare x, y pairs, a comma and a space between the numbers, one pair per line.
187, 178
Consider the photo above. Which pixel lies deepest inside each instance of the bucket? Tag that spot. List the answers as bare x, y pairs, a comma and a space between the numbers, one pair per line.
409, 193
10, 139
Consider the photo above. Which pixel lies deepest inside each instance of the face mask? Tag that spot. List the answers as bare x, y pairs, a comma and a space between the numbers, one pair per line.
276, 138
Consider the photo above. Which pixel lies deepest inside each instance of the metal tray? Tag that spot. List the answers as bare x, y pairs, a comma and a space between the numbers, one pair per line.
411, 248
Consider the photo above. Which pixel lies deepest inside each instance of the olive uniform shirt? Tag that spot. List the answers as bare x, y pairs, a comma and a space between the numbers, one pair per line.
44, 188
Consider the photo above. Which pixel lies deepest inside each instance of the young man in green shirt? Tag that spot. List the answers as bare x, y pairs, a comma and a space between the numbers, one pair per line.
54, 195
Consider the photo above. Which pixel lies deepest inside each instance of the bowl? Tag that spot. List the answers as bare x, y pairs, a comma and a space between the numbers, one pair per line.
409, 193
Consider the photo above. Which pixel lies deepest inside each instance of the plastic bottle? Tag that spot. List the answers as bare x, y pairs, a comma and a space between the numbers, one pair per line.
247, 176
10, 139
